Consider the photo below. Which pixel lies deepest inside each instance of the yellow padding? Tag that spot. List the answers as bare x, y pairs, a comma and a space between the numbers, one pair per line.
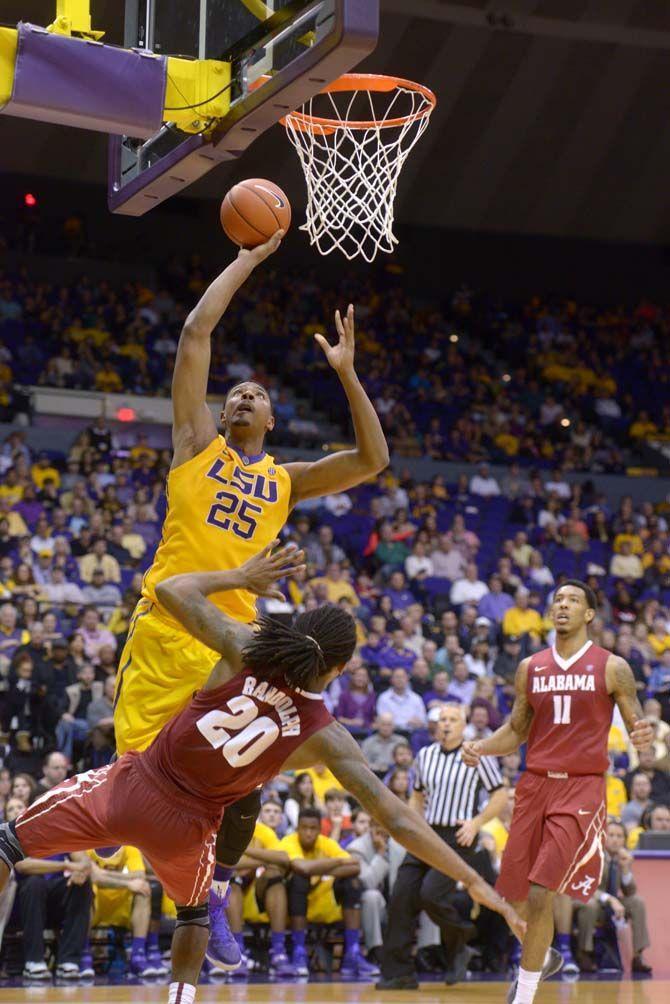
8, 43
194, 82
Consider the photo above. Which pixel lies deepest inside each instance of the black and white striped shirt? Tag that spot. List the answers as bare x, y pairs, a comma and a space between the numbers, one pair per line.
451, 788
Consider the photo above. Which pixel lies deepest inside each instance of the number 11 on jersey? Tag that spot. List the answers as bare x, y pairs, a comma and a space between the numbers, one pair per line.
562, 704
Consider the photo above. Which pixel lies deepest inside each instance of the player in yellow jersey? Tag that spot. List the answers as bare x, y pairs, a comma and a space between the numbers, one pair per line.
227, 499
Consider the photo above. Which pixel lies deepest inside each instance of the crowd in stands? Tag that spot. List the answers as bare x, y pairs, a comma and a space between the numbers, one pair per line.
449, 585
545, 383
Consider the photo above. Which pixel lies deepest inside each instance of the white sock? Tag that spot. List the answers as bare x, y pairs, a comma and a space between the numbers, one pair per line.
526, 986
181, 993
220, 888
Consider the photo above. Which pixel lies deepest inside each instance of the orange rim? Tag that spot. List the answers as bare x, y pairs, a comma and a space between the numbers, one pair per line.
375, 82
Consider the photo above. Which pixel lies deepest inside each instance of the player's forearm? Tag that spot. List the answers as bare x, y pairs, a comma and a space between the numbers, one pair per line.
259, 855
371, 450
185, 597
416, 802
504, 741
213, 303
414, 833
36, 866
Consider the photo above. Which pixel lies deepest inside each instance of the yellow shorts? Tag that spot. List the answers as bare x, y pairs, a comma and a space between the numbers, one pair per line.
160, 669
322, 907
112, 908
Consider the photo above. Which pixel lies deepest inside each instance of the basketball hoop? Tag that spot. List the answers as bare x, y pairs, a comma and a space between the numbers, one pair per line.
352, 140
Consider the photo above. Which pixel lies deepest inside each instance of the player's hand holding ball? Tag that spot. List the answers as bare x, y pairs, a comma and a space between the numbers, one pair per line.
642, 734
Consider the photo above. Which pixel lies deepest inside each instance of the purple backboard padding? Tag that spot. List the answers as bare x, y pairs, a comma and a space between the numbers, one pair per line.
86, 84
354, 37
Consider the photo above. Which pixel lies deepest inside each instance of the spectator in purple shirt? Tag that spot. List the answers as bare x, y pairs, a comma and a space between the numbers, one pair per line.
371, 653
397, 655
495, 603
439, 691
400, 597
462, 687
356, 706
30, 508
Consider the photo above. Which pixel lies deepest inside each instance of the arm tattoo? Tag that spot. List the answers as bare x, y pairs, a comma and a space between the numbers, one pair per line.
624, 690
522, 713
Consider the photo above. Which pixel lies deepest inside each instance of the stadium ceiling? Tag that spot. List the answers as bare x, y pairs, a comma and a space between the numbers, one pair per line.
553, 117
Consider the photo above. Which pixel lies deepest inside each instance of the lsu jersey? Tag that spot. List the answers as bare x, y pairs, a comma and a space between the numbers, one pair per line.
223, 508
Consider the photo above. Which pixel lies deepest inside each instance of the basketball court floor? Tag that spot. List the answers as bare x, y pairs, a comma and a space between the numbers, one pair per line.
581, 992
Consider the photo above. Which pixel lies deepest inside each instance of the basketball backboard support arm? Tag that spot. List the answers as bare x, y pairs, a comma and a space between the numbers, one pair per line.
141, 176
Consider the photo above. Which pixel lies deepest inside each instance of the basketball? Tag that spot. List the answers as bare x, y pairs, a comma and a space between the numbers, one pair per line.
253, 210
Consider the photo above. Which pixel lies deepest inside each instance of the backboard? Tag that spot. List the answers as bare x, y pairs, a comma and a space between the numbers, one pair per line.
281, 53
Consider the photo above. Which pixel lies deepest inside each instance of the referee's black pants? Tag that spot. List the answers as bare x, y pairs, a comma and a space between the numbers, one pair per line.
419, 887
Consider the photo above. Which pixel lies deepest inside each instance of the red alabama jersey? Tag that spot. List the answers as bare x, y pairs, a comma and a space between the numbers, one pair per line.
230, 740
572, 712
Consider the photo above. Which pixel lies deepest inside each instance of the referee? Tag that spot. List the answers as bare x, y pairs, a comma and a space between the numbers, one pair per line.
446, 792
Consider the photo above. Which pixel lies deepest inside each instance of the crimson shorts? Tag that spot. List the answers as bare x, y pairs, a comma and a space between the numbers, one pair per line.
125, 804
556, 837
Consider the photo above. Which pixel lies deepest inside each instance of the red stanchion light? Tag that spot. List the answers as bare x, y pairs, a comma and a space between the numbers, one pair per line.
126, 415
29, 200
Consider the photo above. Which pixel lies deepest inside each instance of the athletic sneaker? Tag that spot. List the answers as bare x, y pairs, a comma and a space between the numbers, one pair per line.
242, 972
222, 949
553, 962
155, 963
139, 964
36, 971
86, 970
281, 966
68, 971
355, 966
570, 967
300, 962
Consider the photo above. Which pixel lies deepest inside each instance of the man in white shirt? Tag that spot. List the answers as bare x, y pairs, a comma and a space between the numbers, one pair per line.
558, 485
418, 564
469, 589
483, 483
59, 591
626, 565
407, 708
448, 560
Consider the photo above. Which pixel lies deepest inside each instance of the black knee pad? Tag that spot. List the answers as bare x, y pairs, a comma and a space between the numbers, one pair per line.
156, 898
189, 916
297, 888
262, 893
10, 848
348, 893
237, 828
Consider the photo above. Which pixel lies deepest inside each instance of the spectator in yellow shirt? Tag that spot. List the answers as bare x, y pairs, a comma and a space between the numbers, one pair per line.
98, 559
10, 488
631, 536
16, 526
521, 619
658, 637
43, 471
258, 895
142, 451
643, 427
322, 780
323, 888
336, 585
123, 899
108, 380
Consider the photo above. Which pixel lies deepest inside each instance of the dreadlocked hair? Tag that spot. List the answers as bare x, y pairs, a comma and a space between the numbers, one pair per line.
304, 650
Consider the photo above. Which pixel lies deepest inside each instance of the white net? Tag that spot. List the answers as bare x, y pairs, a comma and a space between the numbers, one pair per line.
352, 146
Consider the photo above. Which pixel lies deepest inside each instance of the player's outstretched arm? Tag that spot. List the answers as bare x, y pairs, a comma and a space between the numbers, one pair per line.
513, 733
346, 468
185, 597
336, 748
623, 688
193, 426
